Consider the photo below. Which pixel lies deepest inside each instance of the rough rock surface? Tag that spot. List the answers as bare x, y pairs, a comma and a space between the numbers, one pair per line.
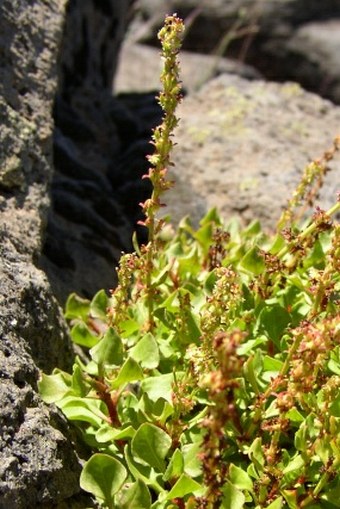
139, 69
39, 465
251, 142
265, 32
315, 47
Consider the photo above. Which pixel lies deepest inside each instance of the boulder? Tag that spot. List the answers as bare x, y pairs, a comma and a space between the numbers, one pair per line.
139, 69
40, 458
315, 47
242, 146
262, 33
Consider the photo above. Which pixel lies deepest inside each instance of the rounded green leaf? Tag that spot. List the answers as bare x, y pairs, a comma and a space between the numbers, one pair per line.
151, 444
53, 388
159, 387
146, 352
233, 498
273, 321
109, 350
81, 409
256, 454
103, 476
136, 496
81, 335
129, 372
192, 463
253, 262
239, 478
77, 307
99, 305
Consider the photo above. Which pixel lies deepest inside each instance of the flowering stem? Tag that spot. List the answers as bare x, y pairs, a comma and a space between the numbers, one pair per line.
170, 36
309, 230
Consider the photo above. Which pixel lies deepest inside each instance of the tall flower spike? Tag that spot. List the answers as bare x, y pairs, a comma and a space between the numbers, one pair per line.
170, 96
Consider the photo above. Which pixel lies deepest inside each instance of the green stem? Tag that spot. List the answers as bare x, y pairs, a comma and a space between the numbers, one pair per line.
170, 36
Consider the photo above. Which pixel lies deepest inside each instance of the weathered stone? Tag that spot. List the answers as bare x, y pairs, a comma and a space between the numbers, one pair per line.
242, 147
139, 69
258, 33
38, 462
316, 49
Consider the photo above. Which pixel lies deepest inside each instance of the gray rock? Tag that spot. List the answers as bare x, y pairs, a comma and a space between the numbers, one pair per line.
317, 46
39, 462
242, 147
260, 33
139, 69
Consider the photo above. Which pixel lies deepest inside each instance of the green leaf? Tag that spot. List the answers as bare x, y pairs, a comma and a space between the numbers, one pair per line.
334, 366
182, 487
273, 321
77, 307
146, 352
175, 466
109, 350
151, 444
81, 335
192, 463
232, 497
79, 385
250, 374
79, 409
135, 496
254, 228
129, 372
294, 415
204, 236
334, 362
316, 257
253, 262
334, 408
256, 454
54, 387
107, 433
291, 498
239, 478
296, 464
332, 495
278, 242
251, 344
277, 504
143, 472
161, 276
212, 216
103, 476
210, 281
138, 470
323, 449
128, 327
99, 305
301, 437
270, 364
159, 387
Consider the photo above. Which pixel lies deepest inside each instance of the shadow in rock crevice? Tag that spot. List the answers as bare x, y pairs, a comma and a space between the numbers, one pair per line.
100, 148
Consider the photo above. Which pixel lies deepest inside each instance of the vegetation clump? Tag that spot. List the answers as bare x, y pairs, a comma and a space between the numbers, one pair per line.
212, 371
